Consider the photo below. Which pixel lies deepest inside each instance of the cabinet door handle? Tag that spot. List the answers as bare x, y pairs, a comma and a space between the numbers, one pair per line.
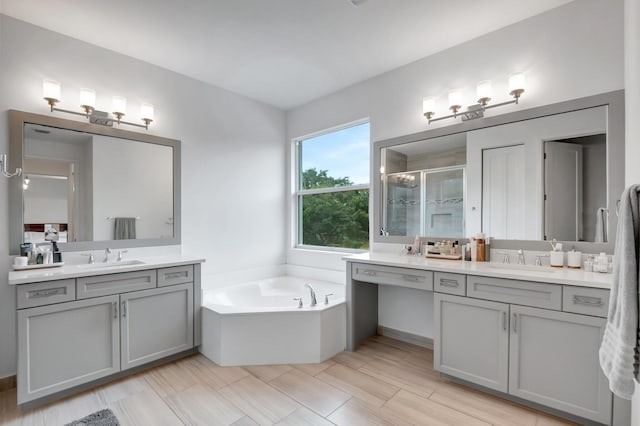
369, 272
172, 275
515, 323
449, 283
47, 293
124, 308
504, 321
413, 278
115, 310
587, 300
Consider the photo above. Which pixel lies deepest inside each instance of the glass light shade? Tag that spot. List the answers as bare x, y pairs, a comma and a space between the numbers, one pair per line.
455, 98
51, 89
119, 105
428, 105
516, 82
88, 98
484, 90
146, 111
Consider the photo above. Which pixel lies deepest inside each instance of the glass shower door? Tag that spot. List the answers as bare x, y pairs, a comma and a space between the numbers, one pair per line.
444, 202
403, 204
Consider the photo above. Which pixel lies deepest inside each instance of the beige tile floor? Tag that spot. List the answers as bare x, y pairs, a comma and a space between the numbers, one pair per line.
385, 382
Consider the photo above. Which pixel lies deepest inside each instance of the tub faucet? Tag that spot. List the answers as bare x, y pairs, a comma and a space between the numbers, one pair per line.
314, 302
521, 260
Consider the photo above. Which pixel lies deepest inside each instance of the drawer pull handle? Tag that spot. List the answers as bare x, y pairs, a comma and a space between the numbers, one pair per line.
504, 321
124, 308
115, 310
515, 323
47, 293
413, 278
449, 283
369, 272
173, 275
587, 300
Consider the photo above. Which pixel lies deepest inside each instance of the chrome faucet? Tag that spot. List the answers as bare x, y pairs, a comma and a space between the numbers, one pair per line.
314, 302
521, 260
120, 253
107, 252
92, 259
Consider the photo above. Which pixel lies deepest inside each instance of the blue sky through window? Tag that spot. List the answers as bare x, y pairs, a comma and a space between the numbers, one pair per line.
344, 153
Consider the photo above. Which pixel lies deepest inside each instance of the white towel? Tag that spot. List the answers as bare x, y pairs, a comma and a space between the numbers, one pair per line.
620, 344
601, 225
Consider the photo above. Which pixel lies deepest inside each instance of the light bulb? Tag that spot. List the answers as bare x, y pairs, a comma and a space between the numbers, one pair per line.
119, 106
455, 100
428, 105
88, 98
51, 92
146, 111
484, 92
516, 84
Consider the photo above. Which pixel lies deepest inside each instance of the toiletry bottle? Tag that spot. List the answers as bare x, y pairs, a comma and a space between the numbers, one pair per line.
480, 247
416, 245
602, 263
487, 250
39, 257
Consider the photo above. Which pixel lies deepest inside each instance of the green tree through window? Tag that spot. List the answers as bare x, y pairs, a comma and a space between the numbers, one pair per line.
334, 219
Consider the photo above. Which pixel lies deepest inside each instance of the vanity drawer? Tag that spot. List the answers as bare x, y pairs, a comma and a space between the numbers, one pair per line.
389, 275
45, 293
103, 285
175, 275
582, 300
445, 282
527, 293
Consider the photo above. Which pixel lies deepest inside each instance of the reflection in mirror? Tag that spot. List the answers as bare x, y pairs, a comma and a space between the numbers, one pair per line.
423, 188
94, 188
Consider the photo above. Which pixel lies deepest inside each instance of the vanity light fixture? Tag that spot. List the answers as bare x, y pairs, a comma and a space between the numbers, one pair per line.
484, 94
51, 94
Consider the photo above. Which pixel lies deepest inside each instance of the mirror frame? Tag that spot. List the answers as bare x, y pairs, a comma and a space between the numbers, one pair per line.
17, 121
615, 150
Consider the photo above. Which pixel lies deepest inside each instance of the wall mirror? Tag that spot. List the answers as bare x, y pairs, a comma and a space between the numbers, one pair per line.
548, 172
93, 186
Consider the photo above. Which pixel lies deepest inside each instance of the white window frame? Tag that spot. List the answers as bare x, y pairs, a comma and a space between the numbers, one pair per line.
296, 213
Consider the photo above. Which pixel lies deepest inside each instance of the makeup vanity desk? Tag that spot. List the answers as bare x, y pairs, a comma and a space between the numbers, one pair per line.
529, 334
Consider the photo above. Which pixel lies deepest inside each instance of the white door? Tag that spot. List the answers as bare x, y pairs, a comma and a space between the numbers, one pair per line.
503, 192
472, 340
563, 191
554, 361
156, 323
66, 344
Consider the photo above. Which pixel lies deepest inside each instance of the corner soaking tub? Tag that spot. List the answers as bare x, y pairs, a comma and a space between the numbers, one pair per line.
259, 323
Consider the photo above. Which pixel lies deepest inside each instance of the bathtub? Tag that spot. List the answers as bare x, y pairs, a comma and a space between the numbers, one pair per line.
258, 323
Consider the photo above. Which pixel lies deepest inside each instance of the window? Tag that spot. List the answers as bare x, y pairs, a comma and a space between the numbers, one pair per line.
332, 188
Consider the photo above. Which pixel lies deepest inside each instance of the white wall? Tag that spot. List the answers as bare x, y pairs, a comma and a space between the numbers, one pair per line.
632, 108
233, 155
570, 52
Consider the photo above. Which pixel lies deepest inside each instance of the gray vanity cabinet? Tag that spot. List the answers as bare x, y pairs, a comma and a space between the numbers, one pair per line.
553, 360
67, 344
472, 340
156, 323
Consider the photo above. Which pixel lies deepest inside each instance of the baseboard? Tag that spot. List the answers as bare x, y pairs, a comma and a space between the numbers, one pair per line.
7, 383
403, 336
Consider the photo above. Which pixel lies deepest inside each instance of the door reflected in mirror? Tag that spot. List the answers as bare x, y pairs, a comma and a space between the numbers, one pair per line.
93, 187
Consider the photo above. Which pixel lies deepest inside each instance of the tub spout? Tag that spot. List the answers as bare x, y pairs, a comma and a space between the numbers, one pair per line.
314, 302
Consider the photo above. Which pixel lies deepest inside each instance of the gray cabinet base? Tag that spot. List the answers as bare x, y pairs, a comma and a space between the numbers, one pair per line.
76, 389
539, 407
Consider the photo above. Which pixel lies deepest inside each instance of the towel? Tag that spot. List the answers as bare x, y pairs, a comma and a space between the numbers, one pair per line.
124, 228
601, 225
619, 347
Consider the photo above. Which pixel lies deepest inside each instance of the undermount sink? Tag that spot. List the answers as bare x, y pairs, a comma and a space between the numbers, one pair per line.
116, 264
543, 269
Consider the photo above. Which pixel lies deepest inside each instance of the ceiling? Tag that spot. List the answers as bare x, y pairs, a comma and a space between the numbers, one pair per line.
281, 52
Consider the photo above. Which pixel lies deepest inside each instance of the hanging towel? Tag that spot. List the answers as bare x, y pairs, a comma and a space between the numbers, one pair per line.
601, 225
620, 344
124, 228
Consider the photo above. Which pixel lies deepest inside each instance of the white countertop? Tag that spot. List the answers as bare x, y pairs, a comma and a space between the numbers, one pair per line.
85, 270
546, 274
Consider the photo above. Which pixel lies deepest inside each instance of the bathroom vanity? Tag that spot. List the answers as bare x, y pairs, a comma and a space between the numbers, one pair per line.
532, 334
83, 324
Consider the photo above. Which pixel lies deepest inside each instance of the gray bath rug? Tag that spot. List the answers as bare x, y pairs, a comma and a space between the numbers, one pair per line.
99, 418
